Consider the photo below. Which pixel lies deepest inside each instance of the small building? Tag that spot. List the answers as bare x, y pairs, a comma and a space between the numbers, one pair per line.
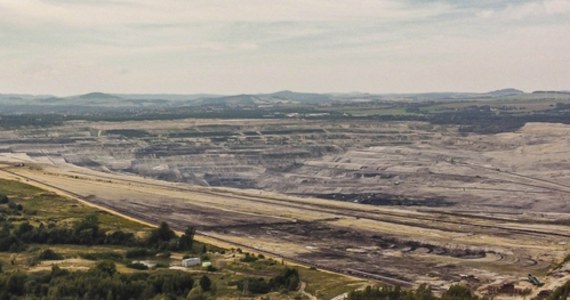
189, 262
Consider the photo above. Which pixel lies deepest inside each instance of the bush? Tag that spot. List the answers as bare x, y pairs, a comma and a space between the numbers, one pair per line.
249, 258
49, 254
161, 266
106, 267
288, 280
102, 256
561, 293
205, 283
458, 292
211, 268
137, 266
138, 252
4, 199
255, 285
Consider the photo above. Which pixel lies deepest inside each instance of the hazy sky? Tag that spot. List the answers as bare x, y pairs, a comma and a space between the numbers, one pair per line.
68, 47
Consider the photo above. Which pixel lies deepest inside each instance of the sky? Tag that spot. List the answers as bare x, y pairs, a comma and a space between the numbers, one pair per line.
66, 47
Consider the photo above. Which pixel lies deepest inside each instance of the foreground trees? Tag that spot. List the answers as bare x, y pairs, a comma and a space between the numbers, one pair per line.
163, 238
288, 280
15, 237
423, 292
101, 282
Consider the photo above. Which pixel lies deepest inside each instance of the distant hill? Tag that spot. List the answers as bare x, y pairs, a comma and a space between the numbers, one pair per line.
168, 97
97, 95
272, 98
109, 100
301, 97
506, 92
551, 92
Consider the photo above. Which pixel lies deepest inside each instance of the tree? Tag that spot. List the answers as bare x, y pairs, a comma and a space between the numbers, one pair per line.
205, 283
4, 199
160, 237
106, 267
458, 292
15, 284
287, 280
187, 239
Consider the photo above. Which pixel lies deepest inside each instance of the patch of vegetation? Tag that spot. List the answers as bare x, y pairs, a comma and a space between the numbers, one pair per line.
249, 258
138, 253
112, 256
137, 266
561, 293
100, 282
423, 292
287, 280
49, 254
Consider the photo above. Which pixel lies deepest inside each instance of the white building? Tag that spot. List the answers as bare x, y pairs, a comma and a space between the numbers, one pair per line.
189, 262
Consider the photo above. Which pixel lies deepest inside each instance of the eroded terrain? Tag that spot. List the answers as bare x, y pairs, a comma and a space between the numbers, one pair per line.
443, 206
382, 163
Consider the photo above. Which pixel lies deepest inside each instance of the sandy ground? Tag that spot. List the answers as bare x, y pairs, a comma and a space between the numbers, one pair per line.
405, 246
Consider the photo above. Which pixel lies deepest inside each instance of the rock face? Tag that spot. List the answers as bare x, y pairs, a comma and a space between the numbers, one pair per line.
379, 163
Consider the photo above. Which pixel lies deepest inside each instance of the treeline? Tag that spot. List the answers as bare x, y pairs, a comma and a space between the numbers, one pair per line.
100, 282
30, 120
288, 280
85, 232
16, 237
423, 292
88, 232
477, 119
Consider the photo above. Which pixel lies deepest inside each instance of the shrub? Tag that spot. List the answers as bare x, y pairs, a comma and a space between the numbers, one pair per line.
138, 252
205, 283
137, 266
255, 285
249, 258
211, 268
102, 255
49, 254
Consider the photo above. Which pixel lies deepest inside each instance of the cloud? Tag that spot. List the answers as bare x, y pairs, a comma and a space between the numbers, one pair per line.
227, 46
528, 9
112, 13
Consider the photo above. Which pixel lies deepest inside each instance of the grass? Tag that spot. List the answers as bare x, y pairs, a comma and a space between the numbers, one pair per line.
326, 285
45, 207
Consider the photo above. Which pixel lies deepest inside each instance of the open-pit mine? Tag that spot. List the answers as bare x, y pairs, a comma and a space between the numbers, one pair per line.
399, 202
